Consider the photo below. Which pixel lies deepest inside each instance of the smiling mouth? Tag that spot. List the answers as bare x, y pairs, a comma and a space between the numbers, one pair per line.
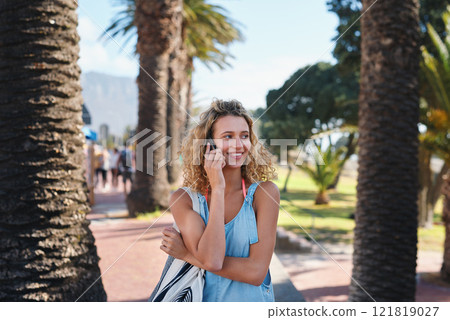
236, 155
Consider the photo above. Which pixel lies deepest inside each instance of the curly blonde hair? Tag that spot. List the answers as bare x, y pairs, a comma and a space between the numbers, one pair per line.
258, 165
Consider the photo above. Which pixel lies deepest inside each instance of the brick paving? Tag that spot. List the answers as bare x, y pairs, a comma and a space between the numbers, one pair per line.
130, 259
130, 249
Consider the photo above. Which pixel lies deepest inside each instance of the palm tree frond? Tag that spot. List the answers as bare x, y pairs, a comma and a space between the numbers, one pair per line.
440, 46
208, 30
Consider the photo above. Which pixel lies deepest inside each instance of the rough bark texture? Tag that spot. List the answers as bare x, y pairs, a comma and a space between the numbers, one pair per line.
47, 251
445, 270
385, 244
188, 120
179, 77
159, 30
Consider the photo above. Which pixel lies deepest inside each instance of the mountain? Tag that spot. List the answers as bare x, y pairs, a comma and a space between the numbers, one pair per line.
110, 100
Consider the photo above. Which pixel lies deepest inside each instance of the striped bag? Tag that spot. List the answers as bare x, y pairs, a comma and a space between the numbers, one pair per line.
180, 281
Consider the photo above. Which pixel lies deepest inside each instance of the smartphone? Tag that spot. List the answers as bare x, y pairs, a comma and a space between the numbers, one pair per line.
211, 144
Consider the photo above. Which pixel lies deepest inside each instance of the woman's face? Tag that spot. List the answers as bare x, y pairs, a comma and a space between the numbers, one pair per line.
232, 135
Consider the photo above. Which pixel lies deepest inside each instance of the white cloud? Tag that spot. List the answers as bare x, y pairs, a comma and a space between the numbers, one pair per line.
101, 56
88, 31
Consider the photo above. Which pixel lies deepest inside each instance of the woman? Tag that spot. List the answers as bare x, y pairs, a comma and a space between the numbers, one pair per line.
233, 237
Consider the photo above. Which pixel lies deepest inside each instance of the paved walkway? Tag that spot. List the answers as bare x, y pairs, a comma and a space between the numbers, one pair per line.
131, 261
320, 279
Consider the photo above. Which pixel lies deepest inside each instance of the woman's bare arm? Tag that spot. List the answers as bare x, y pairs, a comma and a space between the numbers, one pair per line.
255, 266
206, 244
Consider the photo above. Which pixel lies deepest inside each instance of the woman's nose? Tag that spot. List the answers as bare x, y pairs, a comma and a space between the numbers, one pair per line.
239, 143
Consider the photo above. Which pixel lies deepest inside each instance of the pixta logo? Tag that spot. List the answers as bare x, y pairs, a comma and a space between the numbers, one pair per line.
145, 150
308, 151
147, 142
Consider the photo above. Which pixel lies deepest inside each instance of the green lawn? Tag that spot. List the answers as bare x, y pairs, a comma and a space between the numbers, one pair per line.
149, 215
332, 222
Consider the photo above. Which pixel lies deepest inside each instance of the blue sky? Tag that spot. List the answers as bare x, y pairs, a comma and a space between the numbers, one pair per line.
280, 37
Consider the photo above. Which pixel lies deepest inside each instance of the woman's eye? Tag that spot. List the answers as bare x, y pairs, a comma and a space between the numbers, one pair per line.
228, 136
245, 136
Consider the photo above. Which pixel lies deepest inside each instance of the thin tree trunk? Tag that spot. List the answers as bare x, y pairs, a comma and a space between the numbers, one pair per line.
425, 183
290, 165
351, 146
435, 191
385, 243
47, 252
159, 30
430, 188
445, 270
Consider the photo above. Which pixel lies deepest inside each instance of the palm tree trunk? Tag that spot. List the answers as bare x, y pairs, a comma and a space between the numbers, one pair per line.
159, 29
445, 270
180, 115
190, 70
385, 244
47, 252
177, 107
322, 198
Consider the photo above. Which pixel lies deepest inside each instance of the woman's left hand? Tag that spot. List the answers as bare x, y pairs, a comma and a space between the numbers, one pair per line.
173, 244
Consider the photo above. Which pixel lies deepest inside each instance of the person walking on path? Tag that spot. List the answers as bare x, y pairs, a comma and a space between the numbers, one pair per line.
233, 236
105, 167
113, 164
126, 166
99, 161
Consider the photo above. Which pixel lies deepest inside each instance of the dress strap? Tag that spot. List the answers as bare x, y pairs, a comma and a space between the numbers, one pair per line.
243, 190
251, 191
250, 215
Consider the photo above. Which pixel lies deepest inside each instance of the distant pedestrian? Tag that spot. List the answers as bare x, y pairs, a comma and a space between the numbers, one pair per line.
113, 165
98, 165
105, 167
126, 166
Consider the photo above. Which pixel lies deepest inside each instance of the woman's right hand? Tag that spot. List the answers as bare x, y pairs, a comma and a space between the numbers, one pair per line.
173, 244
214, 163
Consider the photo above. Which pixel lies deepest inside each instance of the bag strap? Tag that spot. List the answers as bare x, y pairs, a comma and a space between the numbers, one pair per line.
195, 203
194, 198
170, 259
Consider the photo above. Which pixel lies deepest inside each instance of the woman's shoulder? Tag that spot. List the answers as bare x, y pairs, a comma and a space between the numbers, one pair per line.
180, 197
267, 191
266, 201
270, 186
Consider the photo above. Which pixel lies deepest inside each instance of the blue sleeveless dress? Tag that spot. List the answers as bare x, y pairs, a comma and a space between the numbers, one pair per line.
240, 233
